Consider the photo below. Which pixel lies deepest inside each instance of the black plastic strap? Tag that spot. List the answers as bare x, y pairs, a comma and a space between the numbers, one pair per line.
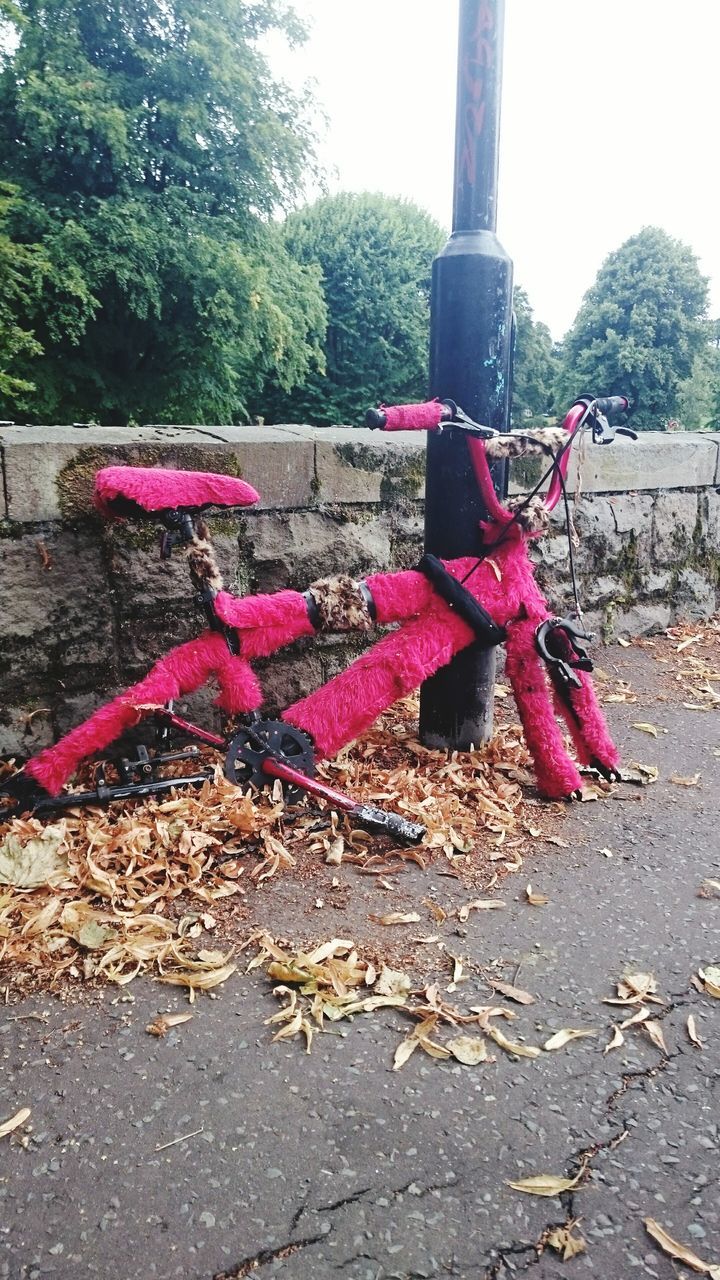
367, 596
459, 598
312, 609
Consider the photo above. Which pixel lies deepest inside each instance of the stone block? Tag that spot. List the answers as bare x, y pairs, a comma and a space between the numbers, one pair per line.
49, 471
657, 460
694, 597
141, 580
642, 619
655, 584
146, 635
710, 518
294, 548
363, 466
674, 521
405, 524
24, 730
598, 591
56, 616
594, 519
632, 513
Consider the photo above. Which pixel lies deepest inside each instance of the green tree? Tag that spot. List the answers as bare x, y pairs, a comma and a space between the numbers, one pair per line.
698, 407
639, 328
21, 272
535, 367
151, 148
375, 254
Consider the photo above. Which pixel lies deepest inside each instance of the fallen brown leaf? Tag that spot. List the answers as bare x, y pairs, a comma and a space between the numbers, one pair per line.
692, 1033
512, 993
14, 1122
646, 728
564, 1036
617, 1040
165, 1021
545, 1184
680, 1251
563, 1241
397, 917
654, 1030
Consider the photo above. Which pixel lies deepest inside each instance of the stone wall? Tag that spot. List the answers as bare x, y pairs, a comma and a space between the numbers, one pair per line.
86, 605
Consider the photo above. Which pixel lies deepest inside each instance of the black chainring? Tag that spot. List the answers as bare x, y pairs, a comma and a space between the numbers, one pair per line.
254, 743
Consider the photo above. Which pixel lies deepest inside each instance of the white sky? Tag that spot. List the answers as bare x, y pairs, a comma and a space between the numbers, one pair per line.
609, 120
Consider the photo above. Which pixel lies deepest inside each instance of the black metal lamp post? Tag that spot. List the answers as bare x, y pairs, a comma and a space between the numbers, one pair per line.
470, 360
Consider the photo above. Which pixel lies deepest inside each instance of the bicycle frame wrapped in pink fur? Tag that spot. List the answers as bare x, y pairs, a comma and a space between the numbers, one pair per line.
429, 633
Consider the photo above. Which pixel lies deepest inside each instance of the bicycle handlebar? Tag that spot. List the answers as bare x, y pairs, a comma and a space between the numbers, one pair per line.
409, 417
612, 404
433, 414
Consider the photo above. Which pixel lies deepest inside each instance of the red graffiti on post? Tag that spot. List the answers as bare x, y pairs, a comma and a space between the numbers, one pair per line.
479, 58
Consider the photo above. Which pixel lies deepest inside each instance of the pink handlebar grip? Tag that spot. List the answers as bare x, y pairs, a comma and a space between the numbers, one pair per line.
414, 417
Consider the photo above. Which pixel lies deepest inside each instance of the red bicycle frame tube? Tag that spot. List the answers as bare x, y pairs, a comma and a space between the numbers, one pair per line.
278, 769
193, 730
571, 422
496, 511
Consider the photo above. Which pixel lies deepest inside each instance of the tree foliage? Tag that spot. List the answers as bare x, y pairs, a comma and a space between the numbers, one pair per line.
22, 268
639, 328
375, 254
150, 146
535, 366
698, 405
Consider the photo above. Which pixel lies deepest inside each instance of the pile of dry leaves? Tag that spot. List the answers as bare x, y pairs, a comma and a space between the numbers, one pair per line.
108, 894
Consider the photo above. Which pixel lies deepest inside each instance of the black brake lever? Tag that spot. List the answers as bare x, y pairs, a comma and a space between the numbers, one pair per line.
626, 431
575, 657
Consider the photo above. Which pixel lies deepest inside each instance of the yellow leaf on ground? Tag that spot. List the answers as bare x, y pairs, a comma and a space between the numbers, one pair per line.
655, 1033
26, 864
641, 774
165, 1021
563, 1241
693, 1036
521, 1050
637, 985
334, 855
392, 982
398, 917
536, 899
469, 1050
680, 1251
687, 641
617, 1039
14, 1122
403, 1051
513, 993
545, 1184
646, 728
564, 1036
640, 1016
681, 781
711, 980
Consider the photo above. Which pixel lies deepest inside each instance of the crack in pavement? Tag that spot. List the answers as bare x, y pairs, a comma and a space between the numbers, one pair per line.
583, 1158
419, 1192
264, 1256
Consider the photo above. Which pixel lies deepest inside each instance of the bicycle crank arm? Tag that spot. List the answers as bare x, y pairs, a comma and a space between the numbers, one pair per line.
365, 815
123, 791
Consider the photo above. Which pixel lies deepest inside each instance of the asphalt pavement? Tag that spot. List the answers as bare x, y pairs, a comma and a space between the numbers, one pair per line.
212, 1153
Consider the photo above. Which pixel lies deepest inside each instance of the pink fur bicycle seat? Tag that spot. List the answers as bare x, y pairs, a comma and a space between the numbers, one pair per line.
134, 491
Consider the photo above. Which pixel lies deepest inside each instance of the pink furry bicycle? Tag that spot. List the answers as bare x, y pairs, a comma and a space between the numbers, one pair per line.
438, 609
